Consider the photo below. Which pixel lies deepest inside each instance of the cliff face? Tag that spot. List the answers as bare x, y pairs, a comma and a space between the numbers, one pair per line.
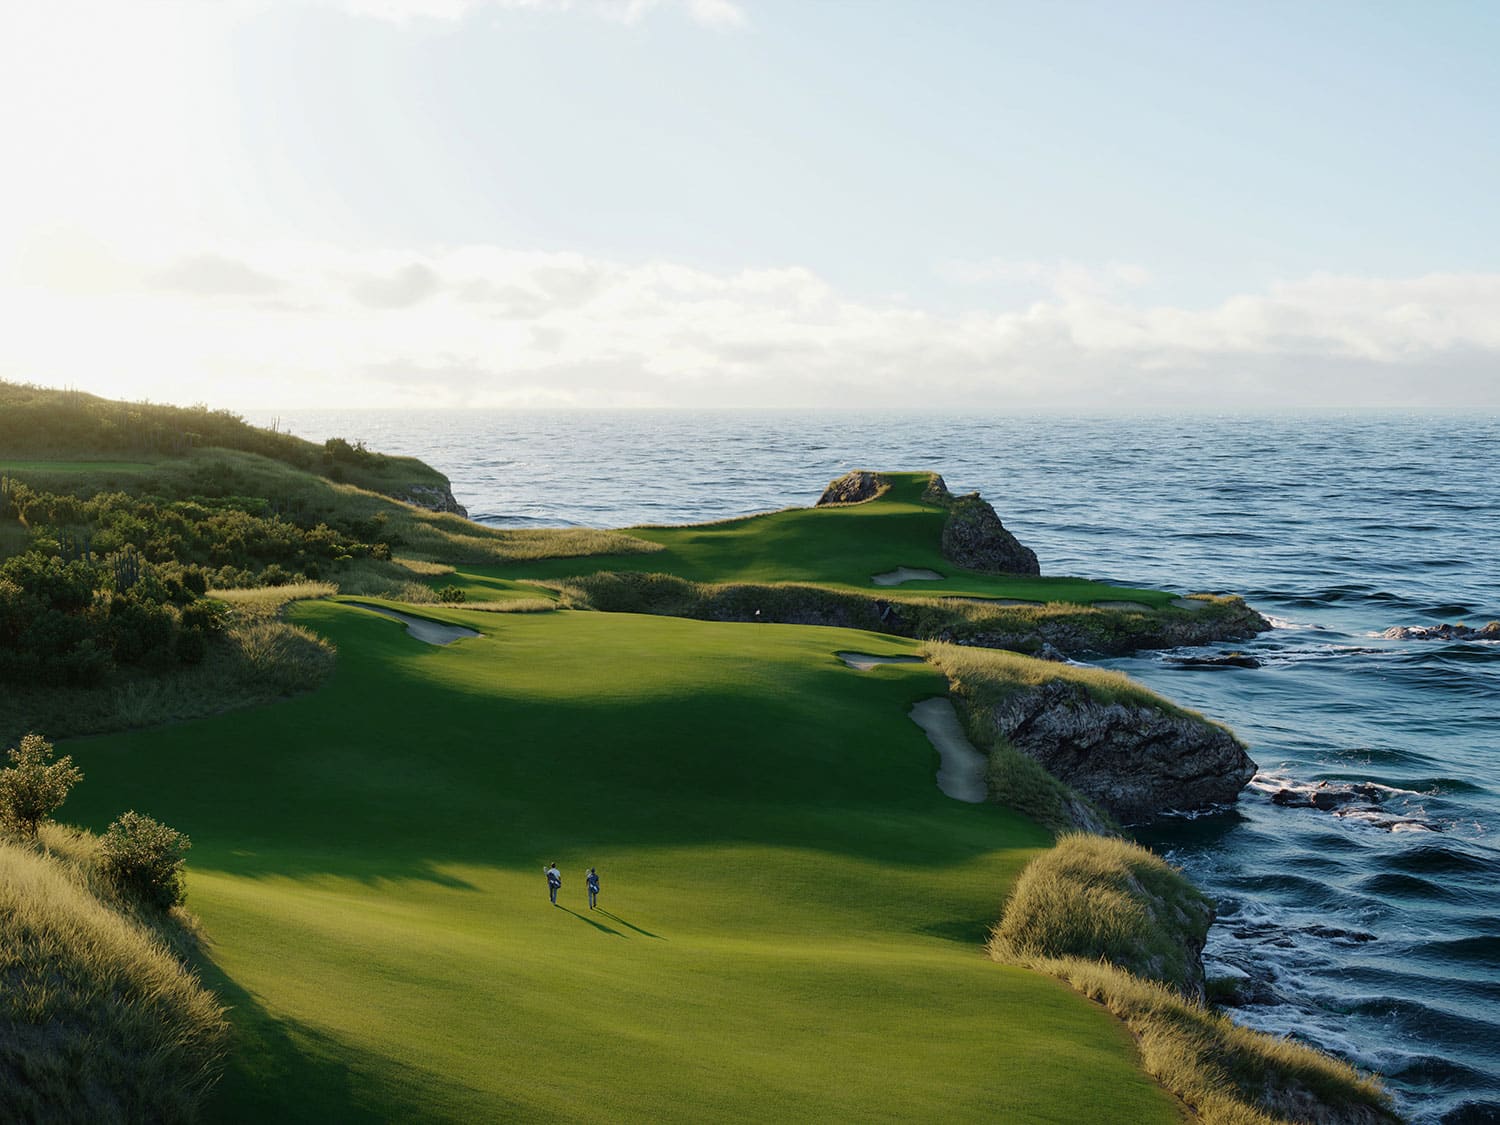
974, 537
1135, 761
1113, 632
433, 497
852, 488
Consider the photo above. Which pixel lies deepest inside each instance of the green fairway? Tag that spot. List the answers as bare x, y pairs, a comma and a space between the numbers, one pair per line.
792, 918
842, 547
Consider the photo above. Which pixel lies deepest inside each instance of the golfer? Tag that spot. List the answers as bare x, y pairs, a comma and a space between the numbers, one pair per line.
554, 880
592, 879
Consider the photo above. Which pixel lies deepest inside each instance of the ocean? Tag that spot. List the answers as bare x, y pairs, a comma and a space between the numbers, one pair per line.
1370, 928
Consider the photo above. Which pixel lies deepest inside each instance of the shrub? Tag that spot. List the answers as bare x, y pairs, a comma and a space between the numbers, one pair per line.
450, 594
34, 786
143, 859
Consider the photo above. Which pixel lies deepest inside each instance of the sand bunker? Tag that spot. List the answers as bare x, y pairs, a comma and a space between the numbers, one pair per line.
1139, 607
864, 661
1191, 604
905, 574
432, 632
961, 775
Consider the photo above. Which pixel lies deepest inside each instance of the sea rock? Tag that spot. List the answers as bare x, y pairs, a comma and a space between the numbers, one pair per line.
1136, 761
1218, 660
852, 488
1444, 632
433, 497
1326, 796
974, 537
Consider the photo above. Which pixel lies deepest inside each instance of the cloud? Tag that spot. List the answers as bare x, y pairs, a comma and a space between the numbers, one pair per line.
214, 275
485, 325
719, 15
1069, 280
397, 290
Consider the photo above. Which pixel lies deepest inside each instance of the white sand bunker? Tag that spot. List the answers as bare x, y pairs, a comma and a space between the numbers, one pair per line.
1139, 607
864, 661
961, 775
433, 632
905, 574
1191, 604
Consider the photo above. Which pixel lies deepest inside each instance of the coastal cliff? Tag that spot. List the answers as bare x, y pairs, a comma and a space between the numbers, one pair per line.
1103, 737
1134, 759
432, 497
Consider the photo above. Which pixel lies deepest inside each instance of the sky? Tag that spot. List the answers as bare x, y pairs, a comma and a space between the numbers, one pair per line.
965, 204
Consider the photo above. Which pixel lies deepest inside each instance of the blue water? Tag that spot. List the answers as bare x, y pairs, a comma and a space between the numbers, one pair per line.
1375, 935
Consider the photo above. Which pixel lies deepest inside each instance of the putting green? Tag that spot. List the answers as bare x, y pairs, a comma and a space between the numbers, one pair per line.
792, 913
842, 547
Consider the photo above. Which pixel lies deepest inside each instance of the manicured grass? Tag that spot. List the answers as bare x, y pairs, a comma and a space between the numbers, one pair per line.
794, 915
842, 547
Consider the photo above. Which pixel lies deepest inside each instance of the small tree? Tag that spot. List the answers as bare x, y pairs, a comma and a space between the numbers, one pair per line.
34, 786
143, 858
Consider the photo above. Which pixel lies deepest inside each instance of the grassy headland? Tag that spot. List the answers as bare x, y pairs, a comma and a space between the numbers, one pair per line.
791, 907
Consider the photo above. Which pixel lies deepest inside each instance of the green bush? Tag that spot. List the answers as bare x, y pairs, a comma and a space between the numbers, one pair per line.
34, 786
450, 594
143, 859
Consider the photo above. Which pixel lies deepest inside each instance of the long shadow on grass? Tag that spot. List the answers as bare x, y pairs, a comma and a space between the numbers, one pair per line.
628, 925
591, 922
974, 933
282, 1070
408, 763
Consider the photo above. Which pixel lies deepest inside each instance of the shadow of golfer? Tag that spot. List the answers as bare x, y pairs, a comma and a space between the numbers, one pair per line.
627, 925
591, 922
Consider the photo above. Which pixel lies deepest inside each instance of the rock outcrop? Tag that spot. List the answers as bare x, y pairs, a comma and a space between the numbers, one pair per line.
1113, 632
974, 537
433, 497
1444, 632
853, 488
1136, 761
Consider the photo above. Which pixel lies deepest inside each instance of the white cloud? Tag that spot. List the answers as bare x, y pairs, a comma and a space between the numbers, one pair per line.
1069, 280
719, 15
482, 325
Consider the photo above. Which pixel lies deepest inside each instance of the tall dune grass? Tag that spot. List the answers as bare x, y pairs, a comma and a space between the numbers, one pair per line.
1123, 928
100, 1020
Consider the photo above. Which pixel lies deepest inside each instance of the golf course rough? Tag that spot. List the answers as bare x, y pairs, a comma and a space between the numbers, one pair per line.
792, 916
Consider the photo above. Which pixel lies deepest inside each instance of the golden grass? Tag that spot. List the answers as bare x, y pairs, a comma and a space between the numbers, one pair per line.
257, 602
1092, 910
514, 605
989, 676
1096, 896
423, 567
99, 1019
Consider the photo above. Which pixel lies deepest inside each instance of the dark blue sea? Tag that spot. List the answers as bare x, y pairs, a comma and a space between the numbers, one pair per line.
1371, 929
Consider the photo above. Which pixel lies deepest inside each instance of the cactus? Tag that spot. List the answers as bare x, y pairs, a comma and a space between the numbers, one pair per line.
127, 567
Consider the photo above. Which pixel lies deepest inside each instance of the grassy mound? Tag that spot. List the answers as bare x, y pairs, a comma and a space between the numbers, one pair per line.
1124, 928
840, 547
99, 1018
1097, 897
791, 908
70, 433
